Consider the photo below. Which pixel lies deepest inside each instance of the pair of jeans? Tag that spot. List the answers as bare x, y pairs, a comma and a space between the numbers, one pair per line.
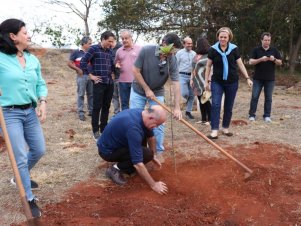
115, 100
125, 92
205, 110
123, 158
102, 97
217, 90
27, 140
84, 85
139, 101
187, 91
268, 92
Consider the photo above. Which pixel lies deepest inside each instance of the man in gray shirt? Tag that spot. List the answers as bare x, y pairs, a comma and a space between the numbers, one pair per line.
151, 73
184, 60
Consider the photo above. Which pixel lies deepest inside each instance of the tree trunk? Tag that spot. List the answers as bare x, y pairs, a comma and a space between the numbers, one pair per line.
294, 55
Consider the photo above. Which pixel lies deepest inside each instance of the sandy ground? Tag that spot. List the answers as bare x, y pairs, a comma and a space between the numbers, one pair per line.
72, 157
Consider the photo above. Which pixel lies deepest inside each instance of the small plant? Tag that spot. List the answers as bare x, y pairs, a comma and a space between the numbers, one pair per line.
166, 49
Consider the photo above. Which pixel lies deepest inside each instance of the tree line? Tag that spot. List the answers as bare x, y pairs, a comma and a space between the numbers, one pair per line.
194, 18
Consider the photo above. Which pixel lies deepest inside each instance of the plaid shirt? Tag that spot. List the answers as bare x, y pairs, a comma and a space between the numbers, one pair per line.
102, 63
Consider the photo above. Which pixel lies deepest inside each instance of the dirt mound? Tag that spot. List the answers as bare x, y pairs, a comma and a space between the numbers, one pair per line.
205, 191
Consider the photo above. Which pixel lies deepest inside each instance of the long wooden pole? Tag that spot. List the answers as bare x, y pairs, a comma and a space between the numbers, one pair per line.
23, 198
207, 139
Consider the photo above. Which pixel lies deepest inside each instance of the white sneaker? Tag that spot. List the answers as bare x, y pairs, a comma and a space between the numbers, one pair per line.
252, 119
267, 119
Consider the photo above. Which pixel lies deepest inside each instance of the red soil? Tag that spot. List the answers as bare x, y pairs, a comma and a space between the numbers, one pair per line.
205, 191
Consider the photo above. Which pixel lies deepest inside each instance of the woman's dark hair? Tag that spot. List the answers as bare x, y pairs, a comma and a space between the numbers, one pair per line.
202, 46
8, 26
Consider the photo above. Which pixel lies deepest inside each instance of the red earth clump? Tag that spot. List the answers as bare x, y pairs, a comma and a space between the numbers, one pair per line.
204, 191
239, 122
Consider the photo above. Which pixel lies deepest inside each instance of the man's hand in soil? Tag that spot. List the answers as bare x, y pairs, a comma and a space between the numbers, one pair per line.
160, 187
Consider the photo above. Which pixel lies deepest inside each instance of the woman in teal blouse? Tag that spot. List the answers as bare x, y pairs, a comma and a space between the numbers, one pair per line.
23, 101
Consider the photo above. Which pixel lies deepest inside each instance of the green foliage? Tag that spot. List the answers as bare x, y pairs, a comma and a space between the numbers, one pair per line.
247, 19
166, 49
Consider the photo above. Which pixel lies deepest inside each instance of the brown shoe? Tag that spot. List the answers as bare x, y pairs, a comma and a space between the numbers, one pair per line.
115, 175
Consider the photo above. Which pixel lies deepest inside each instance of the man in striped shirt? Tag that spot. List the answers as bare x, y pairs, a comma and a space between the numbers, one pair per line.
101, 58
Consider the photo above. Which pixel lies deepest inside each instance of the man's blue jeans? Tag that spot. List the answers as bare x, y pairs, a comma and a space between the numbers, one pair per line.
27, 140
84, 85
187, 91
218, 90
268, 92
125, 92
138, 101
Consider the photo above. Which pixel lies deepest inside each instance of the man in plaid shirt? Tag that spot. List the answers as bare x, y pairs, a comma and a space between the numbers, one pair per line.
100, 57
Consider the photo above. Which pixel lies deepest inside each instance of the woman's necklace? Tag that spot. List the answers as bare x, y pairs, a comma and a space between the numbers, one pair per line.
20, 53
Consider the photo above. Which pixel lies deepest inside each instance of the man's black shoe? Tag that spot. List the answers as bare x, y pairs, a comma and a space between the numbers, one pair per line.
115, 175
35, 210
82, 118
189, 115
34, 185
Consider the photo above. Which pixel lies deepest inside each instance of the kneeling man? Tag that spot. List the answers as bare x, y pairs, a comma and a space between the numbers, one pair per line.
125, 140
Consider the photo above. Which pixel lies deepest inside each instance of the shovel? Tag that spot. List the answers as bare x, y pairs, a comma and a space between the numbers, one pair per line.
249, 171
24, 202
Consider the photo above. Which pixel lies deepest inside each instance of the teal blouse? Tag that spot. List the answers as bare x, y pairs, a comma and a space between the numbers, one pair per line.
19, 85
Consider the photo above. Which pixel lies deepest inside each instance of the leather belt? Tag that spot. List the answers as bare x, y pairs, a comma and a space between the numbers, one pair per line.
185, 73
23, 107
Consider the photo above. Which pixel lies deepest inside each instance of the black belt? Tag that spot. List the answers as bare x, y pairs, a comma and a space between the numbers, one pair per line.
185, 73
23, 107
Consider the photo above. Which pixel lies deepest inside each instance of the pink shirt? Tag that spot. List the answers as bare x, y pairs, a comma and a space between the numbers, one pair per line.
127, 58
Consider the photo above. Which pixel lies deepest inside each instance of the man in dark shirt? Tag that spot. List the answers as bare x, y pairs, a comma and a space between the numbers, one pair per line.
123, 141
84, 83
101, 58
265, 58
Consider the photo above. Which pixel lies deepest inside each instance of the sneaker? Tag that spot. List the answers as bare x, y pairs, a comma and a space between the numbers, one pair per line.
189, 115
34, 185
115, 175
96, 135
82, 118
267, 119
35, 210
252, 119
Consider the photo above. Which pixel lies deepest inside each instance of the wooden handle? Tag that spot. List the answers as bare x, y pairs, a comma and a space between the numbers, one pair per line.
12, 159
207, 139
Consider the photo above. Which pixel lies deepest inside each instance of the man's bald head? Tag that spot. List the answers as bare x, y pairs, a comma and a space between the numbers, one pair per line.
154, 116
187, 43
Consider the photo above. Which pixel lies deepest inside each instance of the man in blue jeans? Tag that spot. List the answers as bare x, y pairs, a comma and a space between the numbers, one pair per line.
84, 84
184, 60
265, 58
151, 71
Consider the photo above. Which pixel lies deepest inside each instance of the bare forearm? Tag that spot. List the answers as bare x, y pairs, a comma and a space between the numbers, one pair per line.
152, 144
177, 93
144, 174
139, 79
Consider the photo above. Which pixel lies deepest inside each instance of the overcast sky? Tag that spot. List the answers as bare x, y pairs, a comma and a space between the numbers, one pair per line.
36, 12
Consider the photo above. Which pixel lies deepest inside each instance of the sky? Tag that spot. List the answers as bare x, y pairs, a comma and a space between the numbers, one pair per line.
35, 12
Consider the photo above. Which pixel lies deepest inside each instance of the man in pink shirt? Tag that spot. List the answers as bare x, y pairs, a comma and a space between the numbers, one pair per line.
125, 58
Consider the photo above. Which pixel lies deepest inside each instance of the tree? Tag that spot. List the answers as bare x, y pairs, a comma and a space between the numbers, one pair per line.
77, 9
247, 19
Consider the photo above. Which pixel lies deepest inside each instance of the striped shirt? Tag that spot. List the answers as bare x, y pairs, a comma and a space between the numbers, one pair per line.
102, 63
